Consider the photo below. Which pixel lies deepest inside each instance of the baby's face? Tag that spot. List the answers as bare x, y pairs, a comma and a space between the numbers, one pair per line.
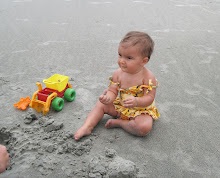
130, 59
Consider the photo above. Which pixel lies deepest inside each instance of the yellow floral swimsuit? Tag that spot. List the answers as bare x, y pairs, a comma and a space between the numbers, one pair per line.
136, 91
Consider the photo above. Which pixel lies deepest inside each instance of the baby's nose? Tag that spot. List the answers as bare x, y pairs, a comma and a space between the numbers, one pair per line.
122, 60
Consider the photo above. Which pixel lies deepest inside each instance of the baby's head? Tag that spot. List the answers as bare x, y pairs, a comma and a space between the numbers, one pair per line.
141, 40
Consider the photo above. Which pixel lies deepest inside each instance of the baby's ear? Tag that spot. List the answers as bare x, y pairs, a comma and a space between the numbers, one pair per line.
145, 60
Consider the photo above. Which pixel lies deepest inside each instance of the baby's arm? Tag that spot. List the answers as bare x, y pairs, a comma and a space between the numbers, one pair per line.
109, 95
143, 101
148, 98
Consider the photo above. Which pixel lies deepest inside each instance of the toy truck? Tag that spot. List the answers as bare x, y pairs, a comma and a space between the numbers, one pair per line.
57, 87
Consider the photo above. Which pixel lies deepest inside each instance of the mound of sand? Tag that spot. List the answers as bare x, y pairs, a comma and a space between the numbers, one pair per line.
45, 141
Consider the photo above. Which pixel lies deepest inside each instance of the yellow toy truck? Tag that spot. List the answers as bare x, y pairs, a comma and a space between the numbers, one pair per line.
57, 87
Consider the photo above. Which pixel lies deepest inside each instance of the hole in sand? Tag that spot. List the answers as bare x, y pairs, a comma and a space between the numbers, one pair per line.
4, 137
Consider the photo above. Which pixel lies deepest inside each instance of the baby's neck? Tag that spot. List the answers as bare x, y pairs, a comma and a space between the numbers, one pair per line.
128, 80
137, 72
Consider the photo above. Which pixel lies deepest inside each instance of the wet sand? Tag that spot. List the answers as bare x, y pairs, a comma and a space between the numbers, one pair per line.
79, 39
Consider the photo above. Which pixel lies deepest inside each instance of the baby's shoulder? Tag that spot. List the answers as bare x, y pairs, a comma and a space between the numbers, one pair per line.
117, 72
116, 75
148, 75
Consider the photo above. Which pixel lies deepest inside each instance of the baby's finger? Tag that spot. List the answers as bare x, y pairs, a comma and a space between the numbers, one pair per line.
107, 99
104, 99
101, 97
127, 105
127, 101
105, 92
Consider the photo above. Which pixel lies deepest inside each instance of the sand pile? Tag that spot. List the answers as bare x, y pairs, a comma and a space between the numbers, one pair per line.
111, 165
43, 144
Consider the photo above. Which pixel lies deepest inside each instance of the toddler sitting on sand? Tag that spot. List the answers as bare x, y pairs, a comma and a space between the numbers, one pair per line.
135, 107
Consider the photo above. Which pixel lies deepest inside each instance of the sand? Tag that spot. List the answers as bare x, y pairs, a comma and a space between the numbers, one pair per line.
79, 39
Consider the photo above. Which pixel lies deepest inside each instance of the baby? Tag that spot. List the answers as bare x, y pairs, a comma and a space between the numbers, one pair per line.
135, 107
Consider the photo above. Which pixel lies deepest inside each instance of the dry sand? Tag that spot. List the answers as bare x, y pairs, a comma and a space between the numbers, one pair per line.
80, 39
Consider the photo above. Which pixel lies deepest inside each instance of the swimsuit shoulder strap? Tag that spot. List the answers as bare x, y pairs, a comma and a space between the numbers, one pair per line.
111, 82
150, 86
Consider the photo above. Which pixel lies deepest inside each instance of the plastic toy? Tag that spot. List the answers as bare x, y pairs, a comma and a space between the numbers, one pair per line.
23, 103
57, 88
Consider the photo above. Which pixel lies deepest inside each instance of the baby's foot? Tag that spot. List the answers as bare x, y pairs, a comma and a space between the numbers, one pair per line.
83, 131
112, 123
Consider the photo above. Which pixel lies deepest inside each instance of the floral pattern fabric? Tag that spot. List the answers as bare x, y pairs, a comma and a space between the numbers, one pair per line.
136, 91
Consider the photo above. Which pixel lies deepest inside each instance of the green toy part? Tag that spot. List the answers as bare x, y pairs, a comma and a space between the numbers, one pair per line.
57, 103
70, 94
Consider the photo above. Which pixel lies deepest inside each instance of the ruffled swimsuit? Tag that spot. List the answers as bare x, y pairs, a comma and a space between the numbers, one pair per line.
136, 91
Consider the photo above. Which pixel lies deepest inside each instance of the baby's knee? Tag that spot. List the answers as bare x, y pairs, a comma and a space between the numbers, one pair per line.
143, 130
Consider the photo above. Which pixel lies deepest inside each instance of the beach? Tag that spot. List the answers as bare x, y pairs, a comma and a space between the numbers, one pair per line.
79, 39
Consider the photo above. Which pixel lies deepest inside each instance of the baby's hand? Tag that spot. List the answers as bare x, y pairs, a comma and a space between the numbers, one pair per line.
130, 102
105, 99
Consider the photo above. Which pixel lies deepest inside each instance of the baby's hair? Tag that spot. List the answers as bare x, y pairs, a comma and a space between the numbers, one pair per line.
145, 42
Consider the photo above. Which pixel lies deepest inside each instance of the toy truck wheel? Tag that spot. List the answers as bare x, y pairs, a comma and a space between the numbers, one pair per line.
57, 103
70, 94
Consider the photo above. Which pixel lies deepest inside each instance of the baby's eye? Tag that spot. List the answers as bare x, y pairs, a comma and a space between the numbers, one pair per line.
129, 57
119, 54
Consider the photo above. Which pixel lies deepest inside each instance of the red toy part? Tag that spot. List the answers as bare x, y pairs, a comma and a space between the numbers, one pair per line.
23, 103
43, 94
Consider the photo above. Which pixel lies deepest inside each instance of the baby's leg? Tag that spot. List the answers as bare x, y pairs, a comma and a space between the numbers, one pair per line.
140, 126
93, 118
